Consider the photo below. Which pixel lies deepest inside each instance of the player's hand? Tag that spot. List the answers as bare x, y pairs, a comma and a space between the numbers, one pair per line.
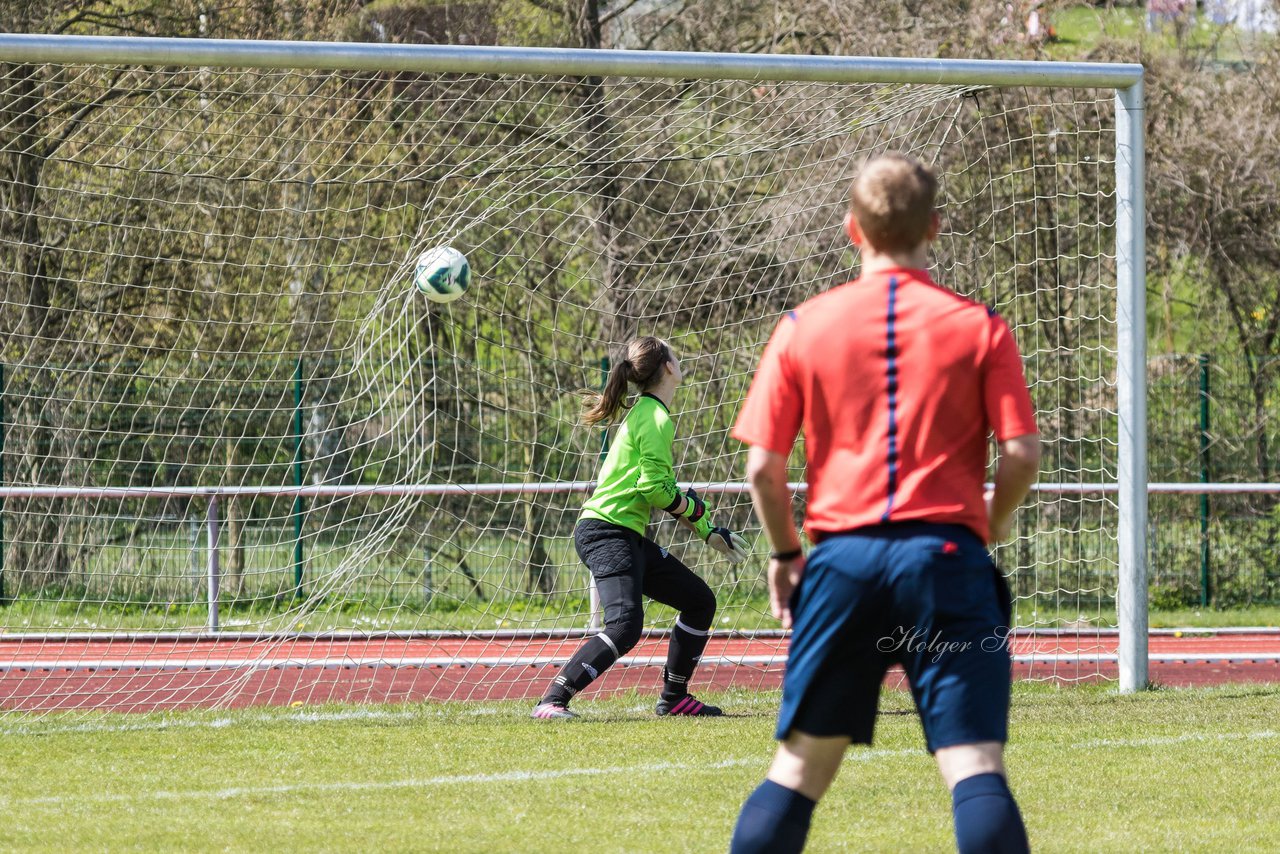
784, 576
729, 544
999, 530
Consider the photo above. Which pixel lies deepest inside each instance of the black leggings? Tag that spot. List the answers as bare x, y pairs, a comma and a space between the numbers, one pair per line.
626, 565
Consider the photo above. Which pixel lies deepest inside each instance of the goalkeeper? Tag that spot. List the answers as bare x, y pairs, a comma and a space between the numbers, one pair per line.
638, 476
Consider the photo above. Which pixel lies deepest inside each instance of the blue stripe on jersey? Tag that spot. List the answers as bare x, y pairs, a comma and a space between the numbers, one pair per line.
891, 379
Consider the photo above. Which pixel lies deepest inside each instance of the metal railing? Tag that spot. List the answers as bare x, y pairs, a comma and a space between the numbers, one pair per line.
213, 522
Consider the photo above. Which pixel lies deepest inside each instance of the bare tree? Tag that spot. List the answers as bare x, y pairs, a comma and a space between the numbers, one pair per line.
1214, 206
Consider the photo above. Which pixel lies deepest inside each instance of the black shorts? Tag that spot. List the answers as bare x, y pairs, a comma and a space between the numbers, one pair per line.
626, 565
921, 595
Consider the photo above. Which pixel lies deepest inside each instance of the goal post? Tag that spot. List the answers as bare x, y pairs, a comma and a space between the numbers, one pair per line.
1131, 384
224, 407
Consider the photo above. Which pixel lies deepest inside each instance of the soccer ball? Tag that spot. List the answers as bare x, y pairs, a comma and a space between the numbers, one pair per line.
443, 274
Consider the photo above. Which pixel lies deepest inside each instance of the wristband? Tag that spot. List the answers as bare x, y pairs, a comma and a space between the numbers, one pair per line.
791, 555
695, 509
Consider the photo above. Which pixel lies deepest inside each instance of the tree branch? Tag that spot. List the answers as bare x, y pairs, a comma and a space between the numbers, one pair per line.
548, 6
606, 18
84, 111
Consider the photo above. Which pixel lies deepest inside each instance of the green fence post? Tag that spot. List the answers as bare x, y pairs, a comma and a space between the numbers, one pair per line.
1205, 592
298, 504
4, 598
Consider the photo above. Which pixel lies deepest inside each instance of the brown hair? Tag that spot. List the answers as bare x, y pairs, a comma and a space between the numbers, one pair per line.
892, 201
639, 362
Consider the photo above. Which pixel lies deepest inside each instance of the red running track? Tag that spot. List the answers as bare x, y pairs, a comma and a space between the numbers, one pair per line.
146, 673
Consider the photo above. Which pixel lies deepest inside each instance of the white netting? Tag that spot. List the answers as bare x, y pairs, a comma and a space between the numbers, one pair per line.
206, 284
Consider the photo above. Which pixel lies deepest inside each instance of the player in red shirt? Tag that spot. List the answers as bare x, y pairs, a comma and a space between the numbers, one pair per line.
897, 384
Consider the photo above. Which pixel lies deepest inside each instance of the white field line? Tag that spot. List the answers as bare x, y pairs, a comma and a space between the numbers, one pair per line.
207, 665
1185, 738
382, 785
204, 636
540, 775
204, 665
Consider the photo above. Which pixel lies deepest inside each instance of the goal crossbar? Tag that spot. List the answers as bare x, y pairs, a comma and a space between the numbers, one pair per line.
458, 59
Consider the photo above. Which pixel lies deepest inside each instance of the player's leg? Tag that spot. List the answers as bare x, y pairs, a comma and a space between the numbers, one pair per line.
808, 763
613, 556
986, 815
969, 760
669, 581
956, 604
776, 816
829, 695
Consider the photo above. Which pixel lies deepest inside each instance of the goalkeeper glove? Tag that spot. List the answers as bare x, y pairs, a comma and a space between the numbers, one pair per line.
695, 514
729, 544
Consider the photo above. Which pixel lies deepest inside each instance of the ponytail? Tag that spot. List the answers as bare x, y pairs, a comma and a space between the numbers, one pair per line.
640, 362
603, 406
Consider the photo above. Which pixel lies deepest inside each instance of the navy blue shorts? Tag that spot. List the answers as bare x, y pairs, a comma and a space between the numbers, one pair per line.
922, 595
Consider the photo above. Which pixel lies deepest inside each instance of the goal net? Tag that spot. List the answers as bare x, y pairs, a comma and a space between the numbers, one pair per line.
244, 461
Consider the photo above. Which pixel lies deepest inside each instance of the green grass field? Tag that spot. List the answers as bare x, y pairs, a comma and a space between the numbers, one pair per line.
1166, 770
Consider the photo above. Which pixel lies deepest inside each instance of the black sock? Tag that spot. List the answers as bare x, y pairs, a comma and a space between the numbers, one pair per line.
774, 820
683, 653
592, 658
987, 817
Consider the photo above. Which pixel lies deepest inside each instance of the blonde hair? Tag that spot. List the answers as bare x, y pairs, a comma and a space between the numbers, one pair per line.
639, 362
892, 200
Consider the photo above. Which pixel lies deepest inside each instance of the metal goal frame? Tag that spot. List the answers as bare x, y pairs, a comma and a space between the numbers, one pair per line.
1125, 79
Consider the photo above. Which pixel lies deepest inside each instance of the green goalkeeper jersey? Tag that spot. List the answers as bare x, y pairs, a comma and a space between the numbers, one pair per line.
638, 473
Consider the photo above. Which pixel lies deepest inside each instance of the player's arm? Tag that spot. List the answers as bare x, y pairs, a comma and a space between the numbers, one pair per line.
655, 470
767, 477
656, 474
1016, 471
769, 423
656, 482
1011, 416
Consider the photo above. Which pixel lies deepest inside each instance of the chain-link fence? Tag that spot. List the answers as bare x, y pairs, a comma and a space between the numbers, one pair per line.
1212, 419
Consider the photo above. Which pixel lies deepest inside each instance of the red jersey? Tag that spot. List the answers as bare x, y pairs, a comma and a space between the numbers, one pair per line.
897, 384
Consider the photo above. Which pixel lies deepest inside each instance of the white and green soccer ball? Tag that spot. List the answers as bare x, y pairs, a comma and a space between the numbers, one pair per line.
443, 274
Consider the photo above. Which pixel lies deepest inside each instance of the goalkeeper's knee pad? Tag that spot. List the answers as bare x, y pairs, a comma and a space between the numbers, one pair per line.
700, 613
625, 632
